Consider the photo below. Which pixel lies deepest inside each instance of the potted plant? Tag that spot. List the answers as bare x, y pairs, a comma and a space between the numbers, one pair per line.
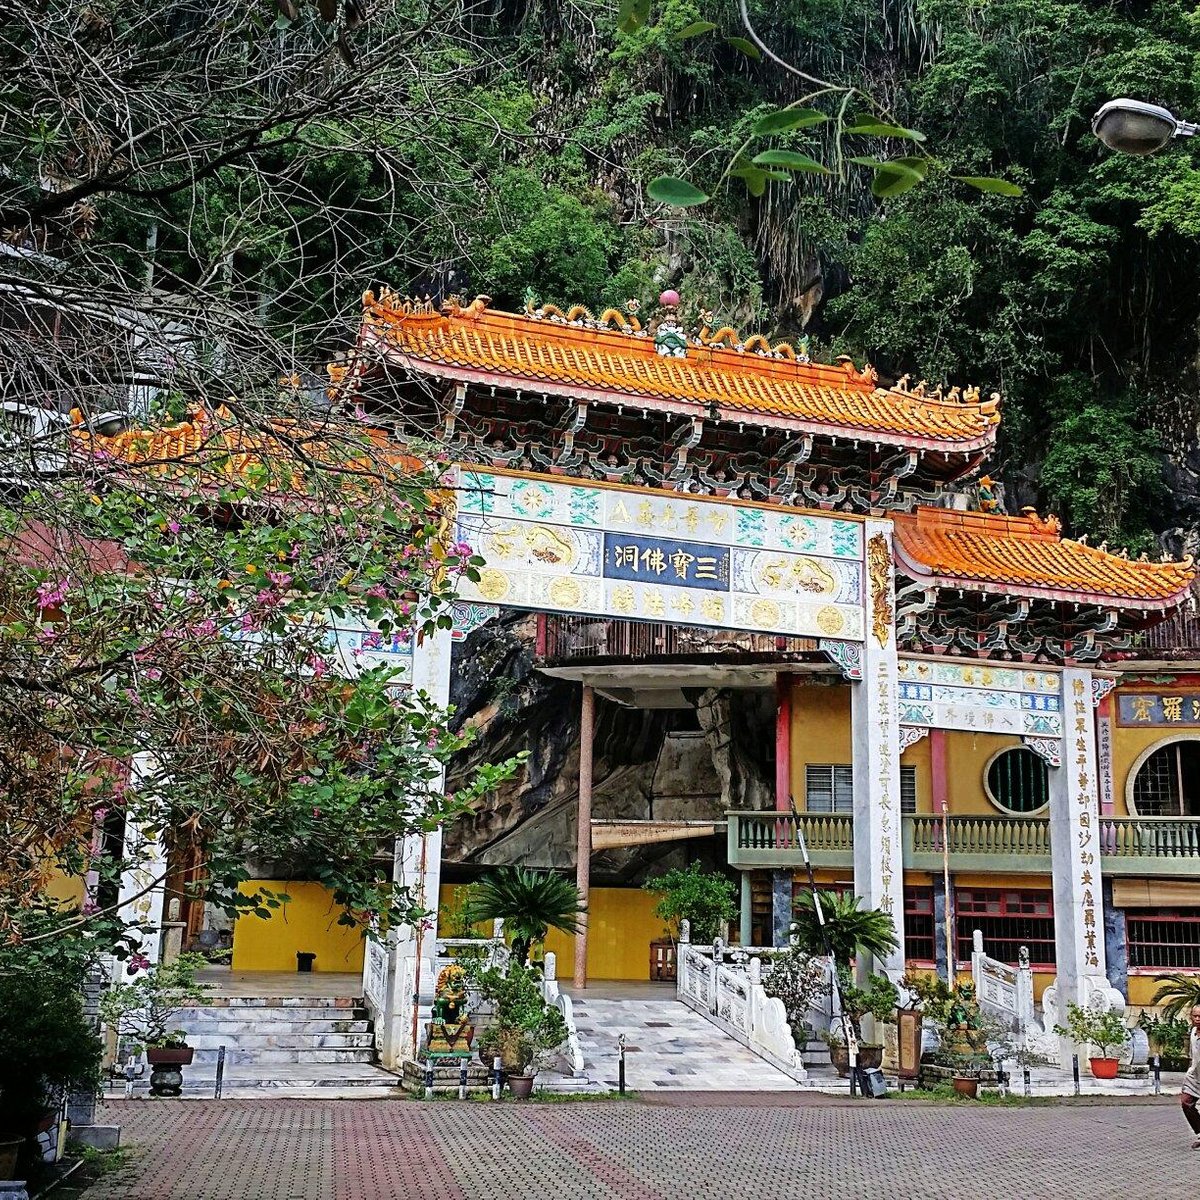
839, 1053
47, 1048
967, 1069
878, 1000
530, 903
704, 899
143, 1012
522, 1027
1105, 1030
1168, 1037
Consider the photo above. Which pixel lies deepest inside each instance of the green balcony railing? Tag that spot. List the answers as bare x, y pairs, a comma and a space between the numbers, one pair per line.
1128, 845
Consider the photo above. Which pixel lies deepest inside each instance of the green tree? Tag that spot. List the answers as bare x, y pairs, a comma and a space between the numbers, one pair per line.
702, 898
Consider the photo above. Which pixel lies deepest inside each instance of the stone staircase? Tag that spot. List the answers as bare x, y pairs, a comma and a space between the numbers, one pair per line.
283, 1045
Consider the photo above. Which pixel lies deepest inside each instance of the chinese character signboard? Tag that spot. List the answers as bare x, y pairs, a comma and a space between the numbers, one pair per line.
565, 546
981, 698
1159, 708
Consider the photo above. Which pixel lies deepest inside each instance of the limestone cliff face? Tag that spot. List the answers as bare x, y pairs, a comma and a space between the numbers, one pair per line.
648, 764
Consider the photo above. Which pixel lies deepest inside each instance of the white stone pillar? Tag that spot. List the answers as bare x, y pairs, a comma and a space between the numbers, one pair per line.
878, 863
1075, 853
418, 866
143, 876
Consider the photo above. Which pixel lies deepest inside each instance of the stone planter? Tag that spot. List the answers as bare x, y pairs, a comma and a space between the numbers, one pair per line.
166, 1068
870, 1057
839, 1056
520, 1087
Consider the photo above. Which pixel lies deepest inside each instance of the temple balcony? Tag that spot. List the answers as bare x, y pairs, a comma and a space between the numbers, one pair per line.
563, 640
1177, 639
1129, 845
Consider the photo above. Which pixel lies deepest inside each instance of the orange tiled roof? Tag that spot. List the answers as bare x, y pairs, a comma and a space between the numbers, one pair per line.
1027, 556
215, 444
586, 358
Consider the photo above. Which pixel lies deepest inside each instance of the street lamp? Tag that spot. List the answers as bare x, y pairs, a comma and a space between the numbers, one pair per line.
1134, 127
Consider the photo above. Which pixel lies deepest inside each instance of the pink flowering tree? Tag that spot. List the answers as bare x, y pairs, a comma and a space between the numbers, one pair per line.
168, 662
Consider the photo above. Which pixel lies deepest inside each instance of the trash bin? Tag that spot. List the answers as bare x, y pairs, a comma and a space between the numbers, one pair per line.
304, 962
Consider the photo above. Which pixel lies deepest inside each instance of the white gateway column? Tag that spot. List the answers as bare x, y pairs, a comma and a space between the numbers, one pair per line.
1075, 851
143, 877
878, 862
418, 866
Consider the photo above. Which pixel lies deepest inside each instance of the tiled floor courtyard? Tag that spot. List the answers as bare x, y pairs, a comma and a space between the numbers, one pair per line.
674, 1148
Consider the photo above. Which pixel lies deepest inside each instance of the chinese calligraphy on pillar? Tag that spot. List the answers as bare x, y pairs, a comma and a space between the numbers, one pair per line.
1075, 844
878, 865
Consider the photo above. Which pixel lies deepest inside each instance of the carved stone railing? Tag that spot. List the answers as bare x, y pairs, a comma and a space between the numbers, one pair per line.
772, 839
1150, 837
977, 835
731, 996
571, 1051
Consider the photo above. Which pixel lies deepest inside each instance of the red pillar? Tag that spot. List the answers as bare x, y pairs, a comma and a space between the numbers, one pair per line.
783, 743
583, 842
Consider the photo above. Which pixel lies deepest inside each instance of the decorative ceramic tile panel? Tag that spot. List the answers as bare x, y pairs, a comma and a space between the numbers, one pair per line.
980, 697
642, 555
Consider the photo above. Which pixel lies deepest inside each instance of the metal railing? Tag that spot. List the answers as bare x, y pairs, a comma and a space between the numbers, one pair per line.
1127, 844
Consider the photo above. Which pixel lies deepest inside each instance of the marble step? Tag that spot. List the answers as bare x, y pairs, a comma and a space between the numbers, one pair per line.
357, 1079
256, 1039
248, 1026
267, 1056
263, 1014
322, 1002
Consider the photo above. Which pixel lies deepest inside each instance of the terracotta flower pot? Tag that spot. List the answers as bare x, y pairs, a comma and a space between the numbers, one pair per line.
520, 1086
1104, 1068
966, 1085
10, 1148
163, 1056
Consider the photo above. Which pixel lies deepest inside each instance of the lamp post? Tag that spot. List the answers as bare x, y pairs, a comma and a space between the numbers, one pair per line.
1135, 127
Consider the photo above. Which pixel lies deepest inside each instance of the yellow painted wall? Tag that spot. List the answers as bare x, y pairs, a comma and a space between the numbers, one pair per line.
621, 926
66, 890
305, 922
918, 755
967, 755
820, 731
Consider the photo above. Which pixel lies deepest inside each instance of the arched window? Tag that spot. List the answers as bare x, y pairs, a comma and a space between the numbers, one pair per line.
1168, 782
1016, 782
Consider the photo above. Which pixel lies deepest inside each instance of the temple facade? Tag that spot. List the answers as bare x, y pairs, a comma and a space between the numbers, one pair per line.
974, 730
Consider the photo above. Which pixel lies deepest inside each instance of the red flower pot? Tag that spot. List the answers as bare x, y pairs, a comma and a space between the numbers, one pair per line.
1104, 1068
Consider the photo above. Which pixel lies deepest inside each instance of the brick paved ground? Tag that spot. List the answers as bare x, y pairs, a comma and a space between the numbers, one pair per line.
678, 1148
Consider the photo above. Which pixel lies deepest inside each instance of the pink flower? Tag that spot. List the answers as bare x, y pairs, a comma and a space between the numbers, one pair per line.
50, 595
98, 814
316, 812
205, 628
153, 673
137, 962
318, 664
461, 549
90, 907
378, 591
280, 579
46, 635
174, 526
305, 779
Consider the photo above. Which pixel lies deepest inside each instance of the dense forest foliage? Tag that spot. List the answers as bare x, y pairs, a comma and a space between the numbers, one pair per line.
265, 163
1077, 301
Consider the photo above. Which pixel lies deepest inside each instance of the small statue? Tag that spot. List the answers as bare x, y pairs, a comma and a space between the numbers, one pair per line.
449, 1031
989, 501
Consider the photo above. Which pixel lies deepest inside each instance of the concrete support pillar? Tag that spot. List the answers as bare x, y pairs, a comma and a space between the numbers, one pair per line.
418, 867
1116, 944
746, 915
1075, 851
941, 952
583, 837
878, 860
781, 907
143, 877
943, 884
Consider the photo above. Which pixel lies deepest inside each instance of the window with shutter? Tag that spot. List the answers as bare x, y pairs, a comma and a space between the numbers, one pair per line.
829, 788
908, 789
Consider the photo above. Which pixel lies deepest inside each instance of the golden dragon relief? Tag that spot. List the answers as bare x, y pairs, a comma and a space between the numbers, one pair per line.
879, 569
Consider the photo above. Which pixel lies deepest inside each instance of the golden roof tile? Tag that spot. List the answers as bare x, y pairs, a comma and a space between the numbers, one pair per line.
1027, 556
613, 359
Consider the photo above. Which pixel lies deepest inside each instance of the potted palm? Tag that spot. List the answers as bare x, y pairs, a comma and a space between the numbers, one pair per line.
1177, 993
1105, 1030
522, 1027
143, 1013
530, 903
848, 930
